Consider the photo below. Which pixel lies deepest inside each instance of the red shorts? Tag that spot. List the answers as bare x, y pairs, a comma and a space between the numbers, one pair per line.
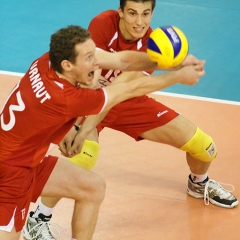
18, 187
136, 116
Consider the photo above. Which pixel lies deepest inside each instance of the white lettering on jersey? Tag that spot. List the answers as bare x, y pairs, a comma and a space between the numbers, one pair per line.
37, 84
20, 107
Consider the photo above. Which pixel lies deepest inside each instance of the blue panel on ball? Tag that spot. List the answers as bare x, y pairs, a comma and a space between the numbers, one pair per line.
174, 38
153, 46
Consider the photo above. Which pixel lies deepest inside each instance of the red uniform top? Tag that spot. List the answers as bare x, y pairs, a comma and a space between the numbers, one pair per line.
105, 32
136, 115
40, 110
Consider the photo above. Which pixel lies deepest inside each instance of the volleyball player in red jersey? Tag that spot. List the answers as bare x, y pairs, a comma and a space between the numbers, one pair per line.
143, 117
42, 108
128, 29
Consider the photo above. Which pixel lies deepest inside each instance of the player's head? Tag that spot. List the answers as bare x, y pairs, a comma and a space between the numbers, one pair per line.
135, 17
72, 53
123, 3
63, 43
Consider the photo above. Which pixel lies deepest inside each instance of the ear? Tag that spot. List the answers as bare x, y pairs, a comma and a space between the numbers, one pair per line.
120, 12
66, 65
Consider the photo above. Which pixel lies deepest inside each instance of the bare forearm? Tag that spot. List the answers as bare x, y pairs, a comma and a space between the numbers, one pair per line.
138, 61
126, 61
89, 124
122, 91
137, 87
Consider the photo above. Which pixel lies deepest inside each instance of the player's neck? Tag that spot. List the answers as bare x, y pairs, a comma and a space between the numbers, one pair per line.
65, 77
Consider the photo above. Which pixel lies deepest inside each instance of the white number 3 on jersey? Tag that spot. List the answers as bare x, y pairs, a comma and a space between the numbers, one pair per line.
20, 107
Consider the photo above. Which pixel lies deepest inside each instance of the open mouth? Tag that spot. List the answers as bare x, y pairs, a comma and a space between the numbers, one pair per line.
91, 74
138, 29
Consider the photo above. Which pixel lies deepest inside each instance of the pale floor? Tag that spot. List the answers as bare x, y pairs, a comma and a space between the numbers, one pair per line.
146, 182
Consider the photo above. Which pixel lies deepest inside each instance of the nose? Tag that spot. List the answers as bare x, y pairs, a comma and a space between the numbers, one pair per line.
139, 20
96, 61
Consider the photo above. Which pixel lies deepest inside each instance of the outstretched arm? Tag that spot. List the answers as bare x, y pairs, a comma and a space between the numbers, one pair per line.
129, 60
119, 92
186, 75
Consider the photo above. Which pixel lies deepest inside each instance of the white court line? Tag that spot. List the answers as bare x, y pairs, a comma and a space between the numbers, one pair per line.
11, 73
197, 98
159, 93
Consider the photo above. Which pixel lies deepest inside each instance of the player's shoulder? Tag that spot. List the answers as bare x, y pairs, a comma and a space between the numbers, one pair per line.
106, 17
43, 57
107, 14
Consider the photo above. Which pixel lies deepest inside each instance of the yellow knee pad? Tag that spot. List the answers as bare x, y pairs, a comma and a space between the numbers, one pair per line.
87, 158
201, 147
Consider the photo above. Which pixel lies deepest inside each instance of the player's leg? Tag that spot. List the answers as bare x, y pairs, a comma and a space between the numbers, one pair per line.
177, 133
13, 235
67, 180
86, 159
86, 187
200, 151
145, 118
87, 193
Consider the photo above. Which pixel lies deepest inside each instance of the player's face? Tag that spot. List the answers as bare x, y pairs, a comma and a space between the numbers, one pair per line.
135, 19
86, 63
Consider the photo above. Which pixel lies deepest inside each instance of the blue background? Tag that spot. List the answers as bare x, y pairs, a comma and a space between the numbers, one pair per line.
212, 28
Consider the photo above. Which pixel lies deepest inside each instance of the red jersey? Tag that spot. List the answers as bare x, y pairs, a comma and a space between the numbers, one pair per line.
40, 110
136, 115
105, 32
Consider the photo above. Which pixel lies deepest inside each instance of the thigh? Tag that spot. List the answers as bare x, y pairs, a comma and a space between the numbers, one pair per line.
138, 115
176, 132
70, 181
10, 236
43, 171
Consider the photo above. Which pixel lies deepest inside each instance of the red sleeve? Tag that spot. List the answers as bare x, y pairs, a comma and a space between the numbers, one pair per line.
84, 102
100, 26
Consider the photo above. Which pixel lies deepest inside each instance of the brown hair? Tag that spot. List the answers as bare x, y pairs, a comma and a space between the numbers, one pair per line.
62, 45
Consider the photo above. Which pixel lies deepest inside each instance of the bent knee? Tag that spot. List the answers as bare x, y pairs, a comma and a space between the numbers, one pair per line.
201, 147
99, 188
95, 190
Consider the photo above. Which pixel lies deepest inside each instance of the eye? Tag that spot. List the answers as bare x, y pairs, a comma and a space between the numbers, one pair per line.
146, 14
132, 13
90, 57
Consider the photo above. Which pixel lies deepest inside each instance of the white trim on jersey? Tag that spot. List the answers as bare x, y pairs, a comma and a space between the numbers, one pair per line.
114, 38
59, 84
146, 73
139, 44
